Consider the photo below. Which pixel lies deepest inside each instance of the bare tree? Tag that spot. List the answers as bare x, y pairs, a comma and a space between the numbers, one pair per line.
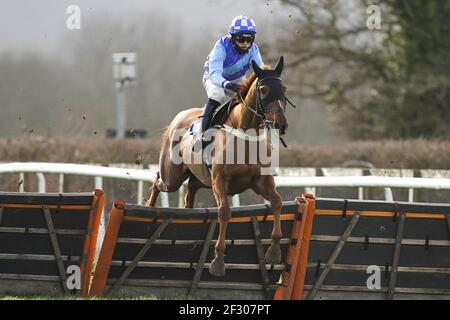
377, 83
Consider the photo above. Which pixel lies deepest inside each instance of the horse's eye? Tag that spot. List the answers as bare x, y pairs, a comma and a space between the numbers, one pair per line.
264, 90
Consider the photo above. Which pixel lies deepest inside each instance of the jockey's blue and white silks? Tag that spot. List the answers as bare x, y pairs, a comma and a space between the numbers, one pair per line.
225, 64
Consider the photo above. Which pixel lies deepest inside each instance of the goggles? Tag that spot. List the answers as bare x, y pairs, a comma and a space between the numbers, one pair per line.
242, 39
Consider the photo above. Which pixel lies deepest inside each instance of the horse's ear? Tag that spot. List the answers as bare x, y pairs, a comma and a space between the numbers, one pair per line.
280, 64
257, 69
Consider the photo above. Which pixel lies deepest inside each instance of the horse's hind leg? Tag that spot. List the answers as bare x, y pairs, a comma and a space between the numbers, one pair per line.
169, 182
193, 186
154, 192
265, 186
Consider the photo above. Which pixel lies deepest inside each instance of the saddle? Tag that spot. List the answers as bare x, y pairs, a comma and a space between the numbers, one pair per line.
218, 119
219, 116
221, 113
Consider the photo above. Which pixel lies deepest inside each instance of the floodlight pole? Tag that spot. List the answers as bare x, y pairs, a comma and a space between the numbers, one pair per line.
121, 113
124, 73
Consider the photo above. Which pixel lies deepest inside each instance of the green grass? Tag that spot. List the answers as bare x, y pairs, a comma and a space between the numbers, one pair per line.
43, 297
74, 297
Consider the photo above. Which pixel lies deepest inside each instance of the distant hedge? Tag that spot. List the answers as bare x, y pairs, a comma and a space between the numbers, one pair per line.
410, 154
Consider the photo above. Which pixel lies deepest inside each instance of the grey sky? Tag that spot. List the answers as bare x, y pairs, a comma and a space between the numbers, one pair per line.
41, 25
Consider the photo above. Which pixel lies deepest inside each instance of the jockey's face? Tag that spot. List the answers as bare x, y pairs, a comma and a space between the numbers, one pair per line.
244, 42
244, 46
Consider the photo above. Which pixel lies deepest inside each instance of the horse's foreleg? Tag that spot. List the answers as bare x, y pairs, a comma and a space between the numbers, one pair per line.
273, 254
217, 267
265, 186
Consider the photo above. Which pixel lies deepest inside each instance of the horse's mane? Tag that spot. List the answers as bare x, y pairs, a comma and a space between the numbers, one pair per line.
165, 134
247, 84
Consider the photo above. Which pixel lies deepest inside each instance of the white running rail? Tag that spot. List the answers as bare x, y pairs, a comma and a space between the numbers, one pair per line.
147, 175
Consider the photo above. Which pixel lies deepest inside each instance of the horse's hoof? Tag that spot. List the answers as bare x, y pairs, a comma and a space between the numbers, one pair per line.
217, 267
273, 254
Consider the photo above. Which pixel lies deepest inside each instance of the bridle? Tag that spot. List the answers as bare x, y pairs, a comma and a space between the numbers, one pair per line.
262, 103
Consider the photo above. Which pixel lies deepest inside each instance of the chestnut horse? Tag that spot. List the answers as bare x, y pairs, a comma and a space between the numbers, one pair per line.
262, 104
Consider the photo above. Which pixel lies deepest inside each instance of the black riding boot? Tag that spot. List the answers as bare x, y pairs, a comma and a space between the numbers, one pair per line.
207, 114
208, 111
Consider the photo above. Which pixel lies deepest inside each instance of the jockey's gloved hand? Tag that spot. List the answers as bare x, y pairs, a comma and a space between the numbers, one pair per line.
233, 87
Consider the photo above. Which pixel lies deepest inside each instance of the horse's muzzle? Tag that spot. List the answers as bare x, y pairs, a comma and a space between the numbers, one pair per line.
282, 128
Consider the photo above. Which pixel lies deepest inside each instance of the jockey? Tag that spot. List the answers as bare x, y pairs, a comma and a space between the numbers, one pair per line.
227, 64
